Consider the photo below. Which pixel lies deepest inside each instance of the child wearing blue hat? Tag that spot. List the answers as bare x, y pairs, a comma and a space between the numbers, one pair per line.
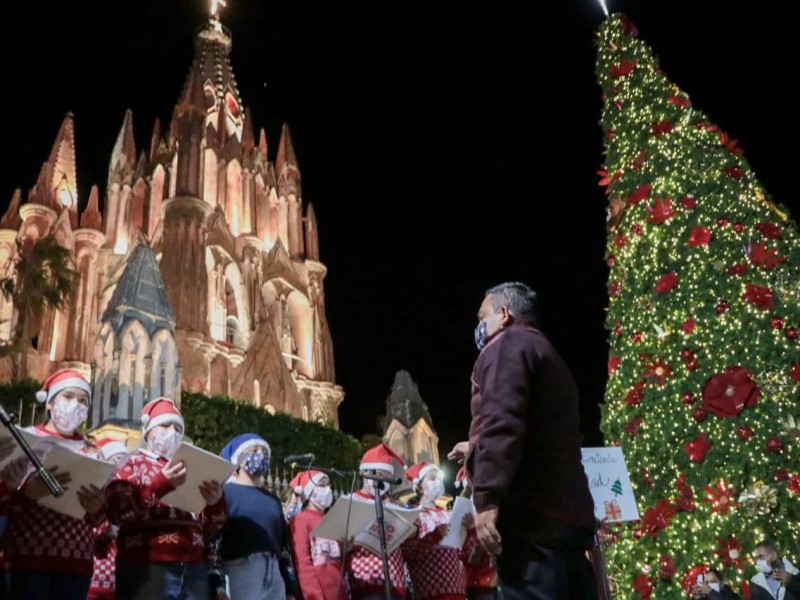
255, 542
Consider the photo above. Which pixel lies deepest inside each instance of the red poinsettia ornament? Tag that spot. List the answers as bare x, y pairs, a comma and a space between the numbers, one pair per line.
661, 211
762, 256
699, 236
666, 567
666, 282
657, 518
639, 194
643, 586
721, 497
730, 552
759, 295
697, 449
656, 369
728, 393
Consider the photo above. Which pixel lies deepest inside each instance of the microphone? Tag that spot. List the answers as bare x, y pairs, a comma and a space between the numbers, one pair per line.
390, 479
295, 458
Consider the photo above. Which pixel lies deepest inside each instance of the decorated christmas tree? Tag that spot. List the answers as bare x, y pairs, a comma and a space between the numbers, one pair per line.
703, 393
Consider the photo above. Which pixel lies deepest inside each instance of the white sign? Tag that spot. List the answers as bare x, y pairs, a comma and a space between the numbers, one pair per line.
610, 485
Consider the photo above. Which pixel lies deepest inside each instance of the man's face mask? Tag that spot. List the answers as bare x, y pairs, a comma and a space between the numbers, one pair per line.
370, 487
256, 463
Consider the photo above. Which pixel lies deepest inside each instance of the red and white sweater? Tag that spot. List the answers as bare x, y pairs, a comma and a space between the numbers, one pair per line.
103, 585
436, 571
150, 530
39, 539
365, 569
318, 561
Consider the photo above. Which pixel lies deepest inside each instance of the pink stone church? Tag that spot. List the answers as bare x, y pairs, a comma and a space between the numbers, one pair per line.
201, 272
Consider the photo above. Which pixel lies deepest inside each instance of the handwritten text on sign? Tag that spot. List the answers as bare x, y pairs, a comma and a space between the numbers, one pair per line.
610, 485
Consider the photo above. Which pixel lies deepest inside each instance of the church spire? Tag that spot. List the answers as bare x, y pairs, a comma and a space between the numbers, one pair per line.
123, 156
11, 218
91, 217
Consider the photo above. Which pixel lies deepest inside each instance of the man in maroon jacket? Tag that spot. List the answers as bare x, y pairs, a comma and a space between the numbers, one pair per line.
534, 507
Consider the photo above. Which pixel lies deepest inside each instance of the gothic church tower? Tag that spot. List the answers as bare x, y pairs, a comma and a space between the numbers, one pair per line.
237, 248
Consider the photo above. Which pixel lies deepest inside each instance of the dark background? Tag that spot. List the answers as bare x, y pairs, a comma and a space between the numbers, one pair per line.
446, 147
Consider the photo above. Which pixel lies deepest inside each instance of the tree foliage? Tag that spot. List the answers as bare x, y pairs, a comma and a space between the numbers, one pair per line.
704, 311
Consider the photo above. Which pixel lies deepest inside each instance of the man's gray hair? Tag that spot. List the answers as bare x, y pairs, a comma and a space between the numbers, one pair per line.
522, 302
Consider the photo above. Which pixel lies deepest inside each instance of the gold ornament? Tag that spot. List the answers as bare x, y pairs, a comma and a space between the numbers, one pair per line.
772, 206
759, 499
719, 265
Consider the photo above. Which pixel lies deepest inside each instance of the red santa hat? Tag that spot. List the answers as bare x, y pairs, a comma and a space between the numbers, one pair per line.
110, 447
61, 380
417, 472
305, 482
381, 457
161, 411
461, 478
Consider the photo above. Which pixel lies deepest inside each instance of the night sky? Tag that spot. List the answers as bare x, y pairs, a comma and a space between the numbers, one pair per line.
445, 146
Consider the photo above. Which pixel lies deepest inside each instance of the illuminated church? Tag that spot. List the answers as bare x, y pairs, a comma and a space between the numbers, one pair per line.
224, 294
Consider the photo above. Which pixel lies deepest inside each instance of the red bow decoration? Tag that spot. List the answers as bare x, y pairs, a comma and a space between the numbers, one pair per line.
666, 282
661, 211
760, 256
728, 393
697, 449
700, 236
657, 518
758, 295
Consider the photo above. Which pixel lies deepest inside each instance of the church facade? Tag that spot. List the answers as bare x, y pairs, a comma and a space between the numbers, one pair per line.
236, 246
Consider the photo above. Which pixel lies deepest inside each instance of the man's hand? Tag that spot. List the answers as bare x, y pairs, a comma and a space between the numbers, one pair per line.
468, 521
701, 590
459, 452
488, 536
211, 492
443, 529
783, 576
175, 473
92, 499
14, 472
36, 489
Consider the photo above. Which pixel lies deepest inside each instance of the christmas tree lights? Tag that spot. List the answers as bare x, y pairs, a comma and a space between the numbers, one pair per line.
703, 392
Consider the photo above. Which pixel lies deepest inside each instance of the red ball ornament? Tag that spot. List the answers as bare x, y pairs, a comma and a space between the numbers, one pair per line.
693, 365
722, 221
722, 307
792, 333
611, 260
687, 354
617, 329
699, 414
636, 337
744, 433
687, 398
636, 229
738, 227
774, 445
781, 475
776, 323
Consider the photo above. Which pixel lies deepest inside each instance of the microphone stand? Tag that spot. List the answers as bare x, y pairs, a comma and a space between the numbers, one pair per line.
45, 475
379, 483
